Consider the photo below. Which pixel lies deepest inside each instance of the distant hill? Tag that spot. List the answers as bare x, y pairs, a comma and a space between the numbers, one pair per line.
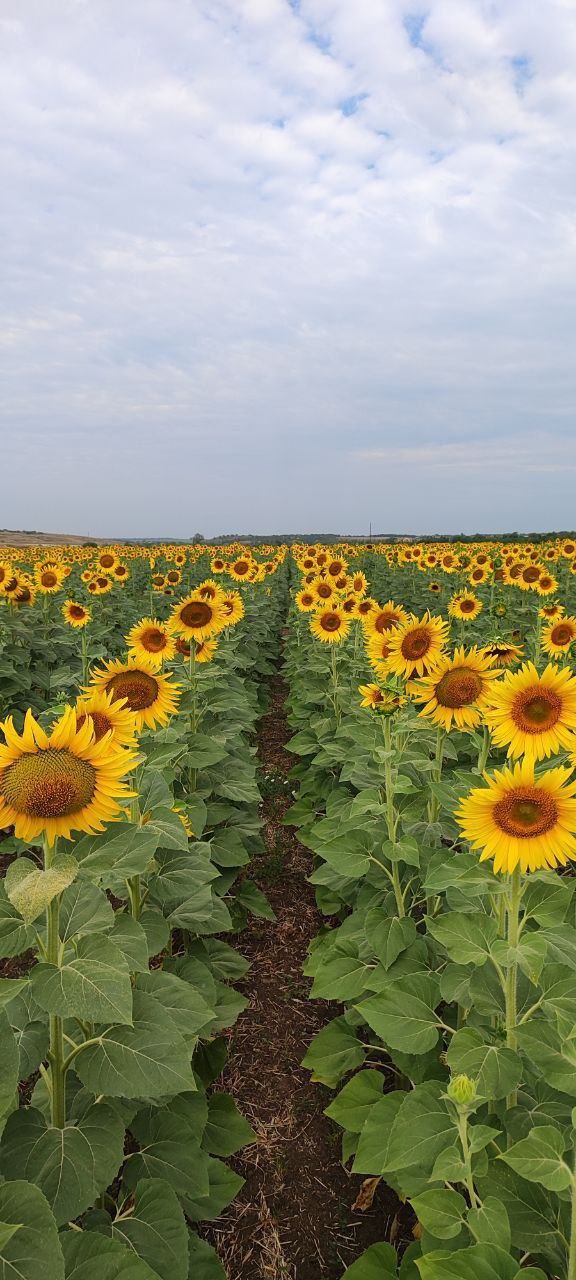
33, 538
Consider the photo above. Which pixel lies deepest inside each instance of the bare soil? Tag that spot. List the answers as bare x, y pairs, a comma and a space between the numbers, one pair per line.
295, 1218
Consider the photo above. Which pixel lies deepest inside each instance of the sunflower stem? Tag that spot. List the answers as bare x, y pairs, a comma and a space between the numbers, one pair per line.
193, 714
391, 821
335, 686
434, 803
514, 900
484, 749
84, 654
537, 650
56, 1049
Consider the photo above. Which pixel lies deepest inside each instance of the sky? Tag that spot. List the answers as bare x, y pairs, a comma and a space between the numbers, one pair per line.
287, 265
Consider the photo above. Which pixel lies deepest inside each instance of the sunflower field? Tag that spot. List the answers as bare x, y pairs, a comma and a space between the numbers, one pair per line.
432, 708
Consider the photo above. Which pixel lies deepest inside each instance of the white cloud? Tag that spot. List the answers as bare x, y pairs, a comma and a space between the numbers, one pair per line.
260, 236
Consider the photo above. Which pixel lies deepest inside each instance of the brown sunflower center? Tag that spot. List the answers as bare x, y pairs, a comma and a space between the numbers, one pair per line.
562, 634
416, 643
324, 590
106, 561
197, 613
100, 722
386, 620
49, 579
138, 688
173, 575
48, 784
241, 566
76, 611
330, 622
531, 574
467, 606
525, 812
535, 710
459, 687
154, 639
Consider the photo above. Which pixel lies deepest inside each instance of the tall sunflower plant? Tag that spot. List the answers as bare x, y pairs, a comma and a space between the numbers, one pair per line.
119, 885
454, 1055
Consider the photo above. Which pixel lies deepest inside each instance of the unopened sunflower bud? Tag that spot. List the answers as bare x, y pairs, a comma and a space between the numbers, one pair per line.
462, 1091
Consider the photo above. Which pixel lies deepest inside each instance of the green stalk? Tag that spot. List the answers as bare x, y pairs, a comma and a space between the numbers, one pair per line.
84, 654
484, 749
391, 820
335, 686
463, 1132
536, 654
514, 900
56, 1049
193, 714
434, 803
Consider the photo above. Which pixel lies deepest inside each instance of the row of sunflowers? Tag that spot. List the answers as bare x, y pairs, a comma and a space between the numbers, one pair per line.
131, 683
436, 748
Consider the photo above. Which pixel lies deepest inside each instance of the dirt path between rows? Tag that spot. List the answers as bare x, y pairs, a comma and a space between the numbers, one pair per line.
294, 1218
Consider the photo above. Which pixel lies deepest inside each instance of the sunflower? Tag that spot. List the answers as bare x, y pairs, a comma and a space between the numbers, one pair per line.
158, 582
241, 568
306, 600
529, 576
173, 577
506, 655
57, 783
107, 716
359, 584
106, 562
518, 819
336, 567
197, 619
416, 645
534, 715
434, 587
366, 606
385, 618
379, 699
48, 580
217, 565
6, 572
559, 636
209, 590
324, 591
478, 574
546, 585
550, 611
205, 650
465, 606
76, 615
120, 572
233, 607
151, 640
25, 595
330, 625
150, 694
457, 691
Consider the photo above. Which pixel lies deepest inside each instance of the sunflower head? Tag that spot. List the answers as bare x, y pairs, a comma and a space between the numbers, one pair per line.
75, 614
147, 692
519, 819
197, 619
533, 714
107, 716
63, 782
559, 637
458, 690
151, 640
465, 606
416, 645
329, 625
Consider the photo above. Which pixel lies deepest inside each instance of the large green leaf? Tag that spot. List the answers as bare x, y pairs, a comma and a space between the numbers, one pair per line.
227, 1130
333, 1052
123, 848
31, 889
15, 936
490, 1223
204, 1261
355, 1101
441, 1212
148, 1060
169, 1149
89, 1255
467, 938
496, 1069
539, 1158
71, 1166
403, 1015
84, 909
479, 1262
156, 1229
10, 1059
377, 1263
421, 1127
32, 1250
92, 985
